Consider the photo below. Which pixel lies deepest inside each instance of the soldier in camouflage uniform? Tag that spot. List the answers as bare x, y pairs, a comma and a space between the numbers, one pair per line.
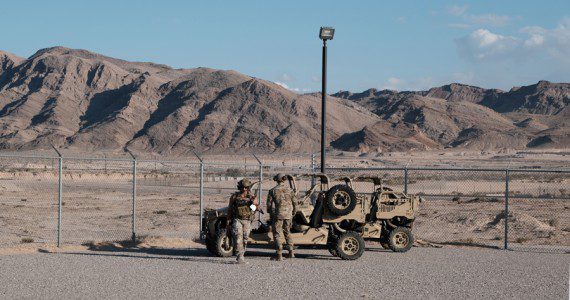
281, 206
240, 215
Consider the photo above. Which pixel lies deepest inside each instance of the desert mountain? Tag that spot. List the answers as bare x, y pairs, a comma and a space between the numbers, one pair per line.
462, 92
458, 115
442, 123
87, 101
542, 98
79, 99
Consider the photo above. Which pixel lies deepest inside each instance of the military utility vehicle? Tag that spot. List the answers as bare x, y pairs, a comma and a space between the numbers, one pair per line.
336, 217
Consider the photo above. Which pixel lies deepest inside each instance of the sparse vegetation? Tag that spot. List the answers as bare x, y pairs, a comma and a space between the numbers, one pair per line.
27, 240
235, 172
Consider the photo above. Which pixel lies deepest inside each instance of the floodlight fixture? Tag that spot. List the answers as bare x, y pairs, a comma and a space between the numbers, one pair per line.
326, 33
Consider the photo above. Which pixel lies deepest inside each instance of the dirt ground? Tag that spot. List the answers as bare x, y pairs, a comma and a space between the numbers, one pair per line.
460, 208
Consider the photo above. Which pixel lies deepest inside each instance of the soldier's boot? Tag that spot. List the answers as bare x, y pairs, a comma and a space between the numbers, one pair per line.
240, 259
291, 254
278, 256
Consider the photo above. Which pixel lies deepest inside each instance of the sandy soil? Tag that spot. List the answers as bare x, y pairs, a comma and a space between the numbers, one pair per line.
461, 208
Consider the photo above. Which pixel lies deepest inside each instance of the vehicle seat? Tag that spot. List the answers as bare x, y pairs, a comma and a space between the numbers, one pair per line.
316, 220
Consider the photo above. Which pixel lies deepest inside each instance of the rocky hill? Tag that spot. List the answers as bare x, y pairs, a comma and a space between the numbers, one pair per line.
86, 101
78, 99
462, 116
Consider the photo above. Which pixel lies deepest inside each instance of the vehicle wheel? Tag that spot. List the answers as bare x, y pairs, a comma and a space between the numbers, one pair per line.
341, 200
350, 245
331, 246
384, 243
222, 244
211, 245
400, 239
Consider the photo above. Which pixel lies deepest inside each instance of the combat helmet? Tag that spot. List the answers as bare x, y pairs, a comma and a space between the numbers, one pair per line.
244, 183
279, 177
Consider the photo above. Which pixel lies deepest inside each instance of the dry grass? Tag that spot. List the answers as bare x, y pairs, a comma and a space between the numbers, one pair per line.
27, 240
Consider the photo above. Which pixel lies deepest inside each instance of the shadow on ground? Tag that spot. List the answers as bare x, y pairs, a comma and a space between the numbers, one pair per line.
197, 254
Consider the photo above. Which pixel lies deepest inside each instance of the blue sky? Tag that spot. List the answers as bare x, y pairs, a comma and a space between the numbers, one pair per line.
378, 44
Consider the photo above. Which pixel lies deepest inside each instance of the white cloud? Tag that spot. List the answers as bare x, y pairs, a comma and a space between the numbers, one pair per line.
286, 77
490, 19
401, 19
398, 84
282, 84
535, 40
483, 45
315, 79
393, 83
556, 41
294, 89
485, 19
457, 10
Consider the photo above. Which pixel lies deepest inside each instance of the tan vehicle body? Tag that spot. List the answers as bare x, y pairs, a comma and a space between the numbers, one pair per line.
373, 216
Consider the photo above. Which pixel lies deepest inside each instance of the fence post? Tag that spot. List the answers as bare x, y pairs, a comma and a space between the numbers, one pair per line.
59, 202
260, 192
506, 246
313, 166
201, 194
406, 177
134, 200
201, 198
59, 194
406, 180
260, 189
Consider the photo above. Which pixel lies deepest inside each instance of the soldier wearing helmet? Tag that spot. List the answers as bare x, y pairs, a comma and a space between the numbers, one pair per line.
282, 207
241, 212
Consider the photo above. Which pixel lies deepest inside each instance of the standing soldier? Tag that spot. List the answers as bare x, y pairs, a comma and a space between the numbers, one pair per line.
281, 206
241, 212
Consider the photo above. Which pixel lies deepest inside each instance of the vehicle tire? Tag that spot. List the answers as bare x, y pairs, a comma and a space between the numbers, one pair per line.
210, 245
222, 245
331, 246
400, 239
340, 200
384, 243
350, 245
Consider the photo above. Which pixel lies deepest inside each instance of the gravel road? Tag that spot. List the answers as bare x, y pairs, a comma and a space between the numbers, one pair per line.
420, 273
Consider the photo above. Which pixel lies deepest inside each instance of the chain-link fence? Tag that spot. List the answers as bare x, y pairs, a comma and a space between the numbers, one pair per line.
105, 199
539, 210
96, 200
28, 201
462, 206
167, 199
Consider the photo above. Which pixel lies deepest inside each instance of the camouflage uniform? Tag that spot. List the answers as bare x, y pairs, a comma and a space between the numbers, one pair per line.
240, 223
281, 206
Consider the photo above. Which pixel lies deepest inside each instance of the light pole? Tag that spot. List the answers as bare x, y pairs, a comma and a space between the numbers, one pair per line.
326, 33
